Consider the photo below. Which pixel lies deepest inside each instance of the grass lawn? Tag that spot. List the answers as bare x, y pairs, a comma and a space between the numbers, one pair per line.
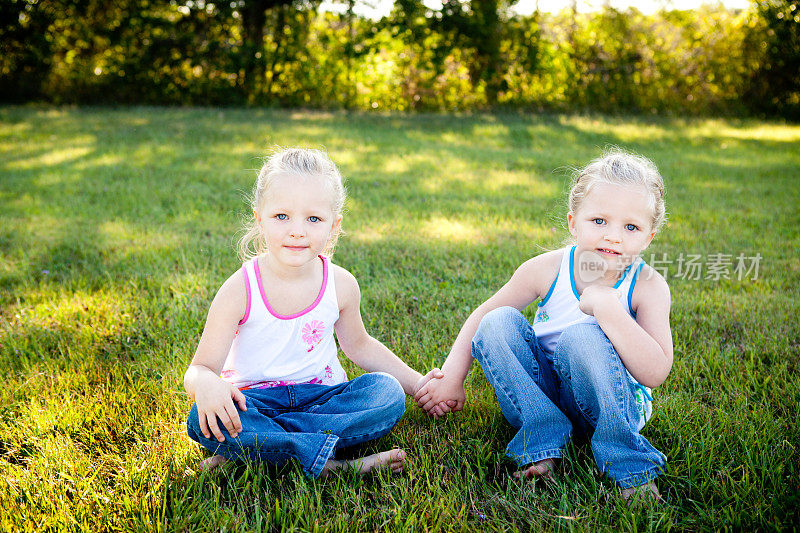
117, 227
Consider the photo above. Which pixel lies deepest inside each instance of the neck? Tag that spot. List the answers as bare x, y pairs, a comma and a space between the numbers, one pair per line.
289, 272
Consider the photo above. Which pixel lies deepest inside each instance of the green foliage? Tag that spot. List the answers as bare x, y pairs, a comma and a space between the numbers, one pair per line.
470, 54
25, 50
128, 52
690, 62
775, 84
117, 227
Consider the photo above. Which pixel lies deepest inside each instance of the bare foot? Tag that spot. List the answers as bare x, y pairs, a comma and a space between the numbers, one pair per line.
646, 491
207, 465
541, 468
392, 459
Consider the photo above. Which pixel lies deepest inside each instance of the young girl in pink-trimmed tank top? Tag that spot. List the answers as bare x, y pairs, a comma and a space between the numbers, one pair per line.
266, 380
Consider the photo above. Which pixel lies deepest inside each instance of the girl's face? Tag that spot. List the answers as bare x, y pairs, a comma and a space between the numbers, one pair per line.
297, 219
613, 222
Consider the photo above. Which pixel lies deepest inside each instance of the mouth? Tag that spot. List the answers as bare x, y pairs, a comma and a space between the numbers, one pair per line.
607, 251
295, 248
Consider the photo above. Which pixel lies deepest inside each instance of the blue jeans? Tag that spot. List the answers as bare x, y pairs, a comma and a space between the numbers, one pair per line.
309, 422
584, 386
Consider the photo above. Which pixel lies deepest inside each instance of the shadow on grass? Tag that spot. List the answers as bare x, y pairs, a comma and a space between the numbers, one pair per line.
143, 211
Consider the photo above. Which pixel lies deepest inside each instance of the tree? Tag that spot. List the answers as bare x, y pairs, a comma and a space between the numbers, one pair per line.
478, 25
775, 86
25, 51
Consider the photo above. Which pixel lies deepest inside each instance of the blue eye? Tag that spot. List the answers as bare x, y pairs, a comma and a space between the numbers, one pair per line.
281, 216
598, 221
312, 218
630, 227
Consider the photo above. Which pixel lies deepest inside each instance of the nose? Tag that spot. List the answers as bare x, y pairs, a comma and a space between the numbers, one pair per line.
297, 229
613, 236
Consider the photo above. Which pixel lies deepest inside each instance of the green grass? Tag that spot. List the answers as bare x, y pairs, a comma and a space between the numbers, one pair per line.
117, 226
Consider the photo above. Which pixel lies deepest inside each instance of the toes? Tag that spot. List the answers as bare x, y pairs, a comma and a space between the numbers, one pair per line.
646, 492
398, 458
541, 469
397, 454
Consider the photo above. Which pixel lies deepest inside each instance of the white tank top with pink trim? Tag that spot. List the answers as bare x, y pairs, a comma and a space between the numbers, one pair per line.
272, 350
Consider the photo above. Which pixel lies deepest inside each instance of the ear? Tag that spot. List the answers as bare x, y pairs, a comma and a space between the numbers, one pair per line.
261, 231
336, 224
650, 239
571, 223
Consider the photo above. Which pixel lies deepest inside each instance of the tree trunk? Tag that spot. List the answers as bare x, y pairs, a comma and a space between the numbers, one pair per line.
254, 18
278, 37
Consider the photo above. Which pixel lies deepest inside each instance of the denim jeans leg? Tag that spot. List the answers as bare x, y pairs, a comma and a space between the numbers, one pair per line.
523, 381
595, 378
263, 439
357, 411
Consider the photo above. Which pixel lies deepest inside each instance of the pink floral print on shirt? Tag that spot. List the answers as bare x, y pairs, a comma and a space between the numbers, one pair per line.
312, 333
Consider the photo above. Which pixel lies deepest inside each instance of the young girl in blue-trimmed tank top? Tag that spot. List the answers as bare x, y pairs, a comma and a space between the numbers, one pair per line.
600, 338
266, 380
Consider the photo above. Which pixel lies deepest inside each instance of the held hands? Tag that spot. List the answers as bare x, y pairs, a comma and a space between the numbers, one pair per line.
435, 373
215, 400
440, 395
595, 297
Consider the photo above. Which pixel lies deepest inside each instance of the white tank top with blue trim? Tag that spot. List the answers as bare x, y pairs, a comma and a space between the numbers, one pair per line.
560, 309
272, 350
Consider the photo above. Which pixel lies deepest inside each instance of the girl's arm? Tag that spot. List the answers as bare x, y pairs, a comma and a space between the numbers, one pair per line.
365, 351
645, 344
215, 397
530, 281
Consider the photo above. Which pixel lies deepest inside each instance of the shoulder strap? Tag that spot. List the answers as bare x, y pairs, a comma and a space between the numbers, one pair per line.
562, 273
634, 277
248, 291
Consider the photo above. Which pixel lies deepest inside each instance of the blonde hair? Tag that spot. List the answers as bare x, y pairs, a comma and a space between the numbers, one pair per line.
618, 167
299, 162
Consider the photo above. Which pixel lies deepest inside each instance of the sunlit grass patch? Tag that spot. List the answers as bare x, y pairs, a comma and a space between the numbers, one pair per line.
118, 226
